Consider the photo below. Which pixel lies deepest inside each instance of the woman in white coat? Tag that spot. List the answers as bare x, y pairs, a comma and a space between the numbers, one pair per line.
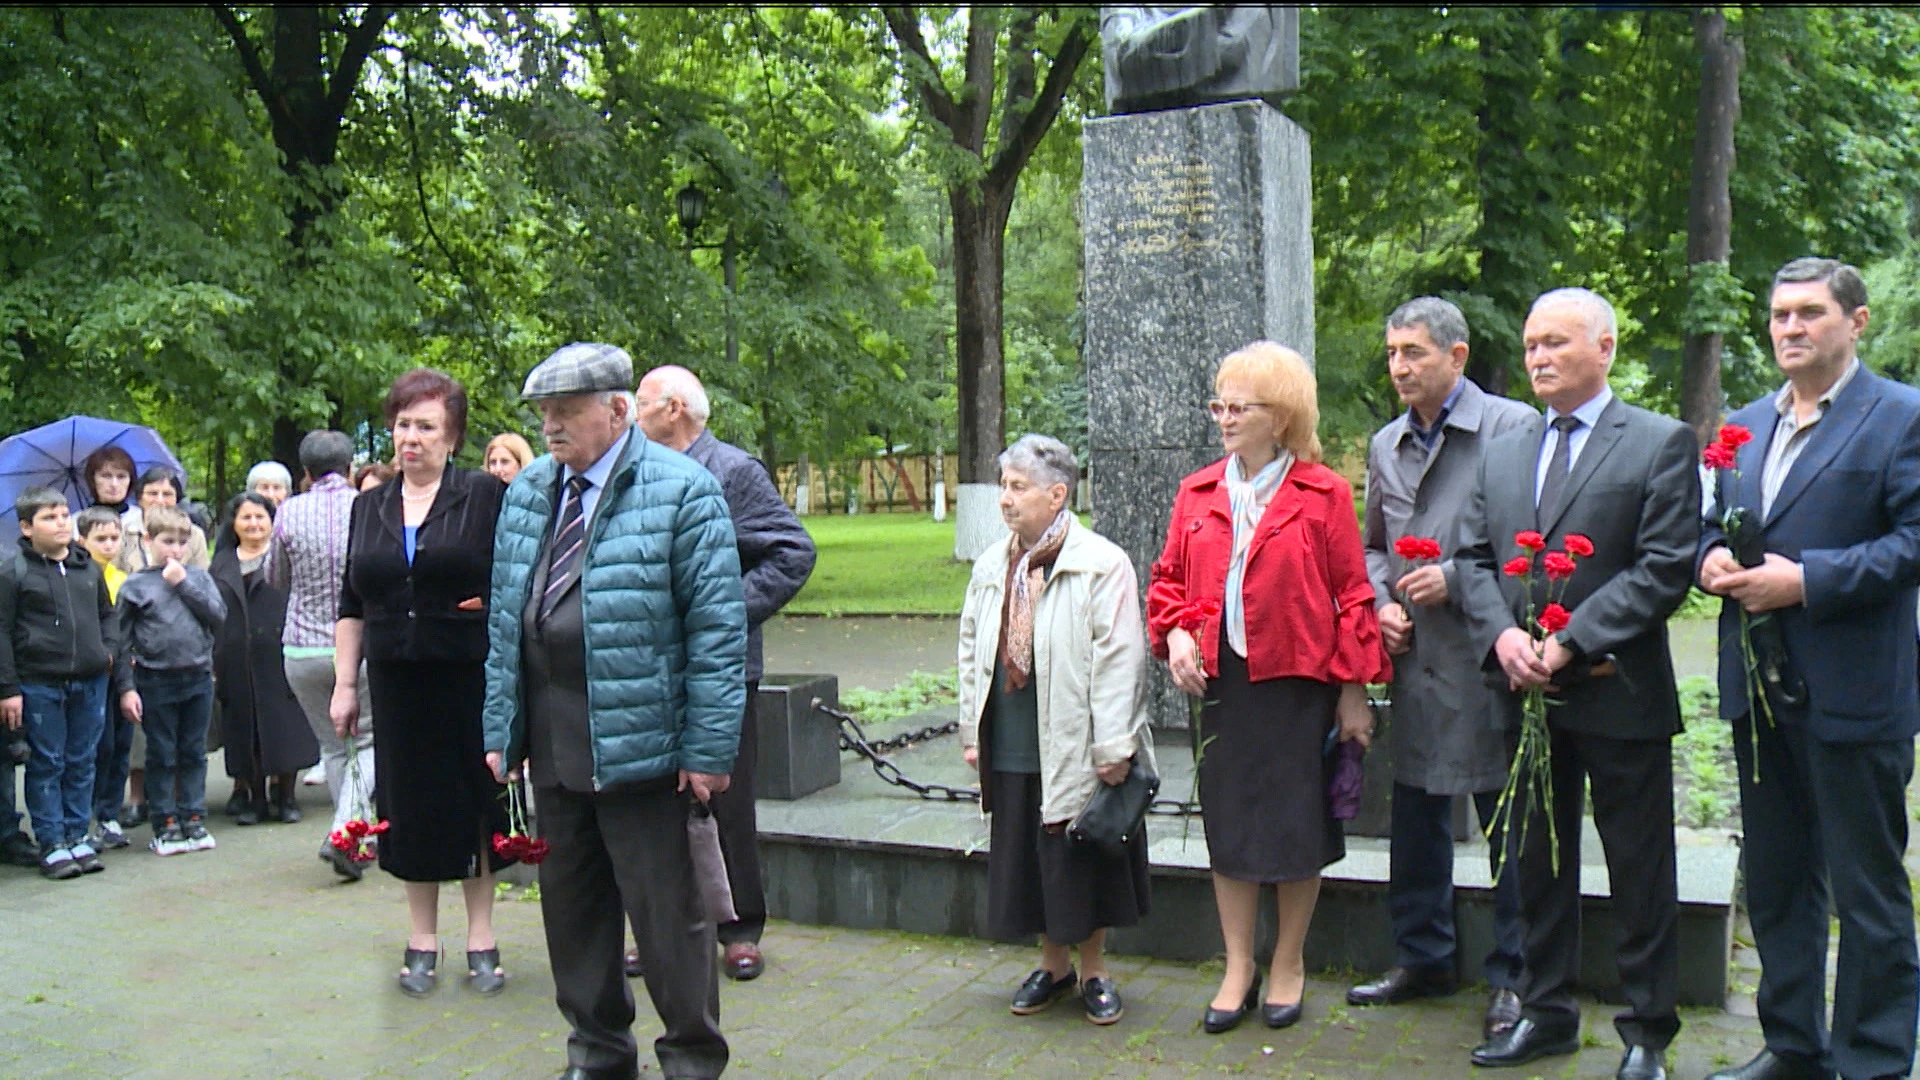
1053, 662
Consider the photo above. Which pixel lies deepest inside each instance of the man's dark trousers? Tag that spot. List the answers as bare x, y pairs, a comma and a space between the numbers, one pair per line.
1420, 889
1824, 830
1637, 834
622, 856
739, 827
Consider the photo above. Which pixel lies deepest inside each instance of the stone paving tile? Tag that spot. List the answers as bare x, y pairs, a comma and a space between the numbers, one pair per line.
252, 961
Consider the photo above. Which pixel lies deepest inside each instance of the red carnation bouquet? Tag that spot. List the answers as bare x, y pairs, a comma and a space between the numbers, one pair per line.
516, 842
1418, 551
359, 837
1763, 650
1532, 768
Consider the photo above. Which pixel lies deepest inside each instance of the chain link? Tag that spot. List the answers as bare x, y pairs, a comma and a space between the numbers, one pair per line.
853, 737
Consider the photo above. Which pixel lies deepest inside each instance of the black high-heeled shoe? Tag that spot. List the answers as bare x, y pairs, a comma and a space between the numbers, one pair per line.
1282, 1016
417, 972
1221, 1021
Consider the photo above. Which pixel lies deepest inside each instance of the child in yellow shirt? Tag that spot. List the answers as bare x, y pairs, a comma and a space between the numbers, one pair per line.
99, 530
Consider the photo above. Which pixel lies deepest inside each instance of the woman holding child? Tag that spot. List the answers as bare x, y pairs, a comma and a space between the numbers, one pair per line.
419, 568
265, 733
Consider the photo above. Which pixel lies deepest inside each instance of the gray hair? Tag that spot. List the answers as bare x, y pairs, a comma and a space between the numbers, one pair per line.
1601, 322
270, 472
324, 452
676, 382
1849, 289
1039, 457
605, 397
1444, 323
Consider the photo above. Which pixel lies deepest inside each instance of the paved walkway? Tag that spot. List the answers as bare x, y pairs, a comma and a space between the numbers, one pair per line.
252, 961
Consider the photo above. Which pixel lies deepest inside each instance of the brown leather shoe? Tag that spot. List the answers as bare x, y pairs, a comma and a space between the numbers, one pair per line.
743, 962
1503, 1011
630, 964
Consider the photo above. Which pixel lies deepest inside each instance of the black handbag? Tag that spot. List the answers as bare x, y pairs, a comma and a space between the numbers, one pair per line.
1116, 812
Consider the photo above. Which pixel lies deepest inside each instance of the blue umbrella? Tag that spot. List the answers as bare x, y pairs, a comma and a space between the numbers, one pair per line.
54, 455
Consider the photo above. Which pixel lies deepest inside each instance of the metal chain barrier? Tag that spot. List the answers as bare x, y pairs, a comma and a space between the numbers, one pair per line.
854, 737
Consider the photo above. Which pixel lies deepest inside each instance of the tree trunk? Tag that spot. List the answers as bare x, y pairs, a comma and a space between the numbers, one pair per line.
979, 240
1710, 207
1509, 237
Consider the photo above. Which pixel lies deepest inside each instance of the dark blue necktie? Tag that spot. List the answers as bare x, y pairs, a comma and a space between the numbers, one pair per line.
569, 546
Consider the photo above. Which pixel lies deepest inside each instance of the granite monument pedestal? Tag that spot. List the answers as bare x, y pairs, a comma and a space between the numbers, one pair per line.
1198, 241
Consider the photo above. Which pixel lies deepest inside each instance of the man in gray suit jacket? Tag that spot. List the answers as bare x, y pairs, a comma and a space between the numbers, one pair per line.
1448, 738
1626, 479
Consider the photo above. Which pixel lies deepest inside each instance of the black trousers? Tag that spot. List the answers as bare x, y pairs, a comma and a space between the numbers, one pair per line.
620, 856
740, 834
1420, 888
1633, 813
1825, 832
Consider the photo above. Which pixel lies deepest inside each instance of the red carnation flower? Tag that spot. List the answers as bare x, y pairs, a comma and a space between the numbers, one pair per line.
503, 846
362, 854
536, 852
1579, 545
356, 828
1417, 547
1719, 456
1558, 565
1198, 612
1734, 436
1518, 566
1530, 540
1554, 618
379, 827
340, 840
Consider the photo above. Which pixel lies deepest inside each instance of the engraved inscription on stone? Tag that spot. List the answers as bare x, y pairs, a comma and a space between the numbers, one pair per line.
1170, 207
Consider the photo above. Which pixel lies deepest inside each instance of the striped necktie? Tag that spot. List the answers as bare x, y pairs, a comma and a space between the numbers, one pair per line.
569, 546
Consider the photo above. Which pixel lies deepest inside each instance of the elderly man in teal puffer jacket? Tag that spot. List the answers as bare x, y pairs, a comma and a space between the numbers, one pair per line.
616, 671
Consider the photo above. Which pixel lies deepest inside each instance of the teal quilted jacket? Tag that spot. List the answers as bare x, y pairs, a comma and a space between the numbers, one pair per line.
666, 622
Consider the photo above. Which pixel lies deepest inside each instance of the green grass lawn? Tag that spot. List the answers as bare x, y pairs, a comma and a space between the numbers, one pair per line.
882, 564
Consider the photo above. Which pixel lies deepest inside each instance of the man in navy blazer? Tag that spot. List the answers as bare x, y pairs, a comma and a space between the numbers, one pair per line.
1832, 480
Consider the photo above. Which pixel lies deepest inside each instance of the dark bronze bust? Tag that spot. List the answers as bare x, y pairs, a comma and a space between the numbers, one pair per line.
1174, 57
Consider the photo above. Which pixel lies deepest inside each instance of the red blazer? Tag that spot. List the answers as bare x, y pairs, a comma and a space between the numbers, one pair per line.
1309, 605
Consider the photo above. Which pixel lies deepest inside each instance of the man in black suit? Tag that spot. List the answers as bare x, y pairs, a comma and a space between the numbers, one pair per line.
1831, 484
1627, 480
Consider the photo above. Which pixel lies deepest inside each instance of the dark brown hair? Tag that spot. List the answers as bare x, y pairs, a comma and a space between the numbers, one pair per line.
103, 457
380, 470
427, 384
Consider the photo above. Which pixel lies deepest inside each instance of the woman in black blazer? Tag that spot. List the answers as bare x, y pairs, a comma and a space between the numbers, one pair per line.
419, 566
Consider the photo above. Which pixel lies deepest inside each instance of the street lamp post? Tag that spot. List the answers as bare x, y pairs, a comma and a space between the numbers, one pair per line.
691, 205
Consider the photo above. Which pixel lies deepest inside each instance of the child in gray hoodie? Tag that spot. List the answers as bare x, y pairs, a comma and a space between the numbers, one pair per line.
170, 615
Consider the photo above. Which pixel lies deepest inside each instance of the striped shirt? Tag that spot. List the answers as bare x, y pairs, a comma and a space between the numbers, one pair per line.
308, 557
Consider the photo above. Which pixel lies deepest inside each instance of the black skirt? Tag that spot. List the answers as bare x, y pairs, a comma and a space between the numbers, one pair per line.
1041, 882
431, 780
1263, 782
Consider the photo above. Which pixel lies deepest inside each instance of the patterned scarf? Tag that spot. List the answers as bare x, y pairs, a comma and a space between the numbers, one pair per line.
1247, 500
1025, 577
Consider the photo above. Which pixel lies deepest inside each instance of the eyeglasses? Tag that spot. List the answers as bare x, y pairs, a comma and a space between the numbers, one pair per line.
1220, 410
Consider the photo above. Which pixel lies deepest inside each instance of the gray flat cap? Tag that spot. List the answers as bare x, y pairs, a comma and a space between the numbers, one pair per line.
584, 367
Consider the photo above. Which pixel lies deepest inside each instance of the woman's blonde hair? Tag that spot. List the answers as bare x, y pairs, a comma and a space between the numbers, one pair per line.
515, 445
1283, 381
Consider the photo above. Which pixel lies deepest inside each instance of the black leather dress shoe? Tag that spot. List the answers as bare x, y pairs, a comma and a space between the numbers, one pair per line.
1771, 1066
1281, 1016
1503, 1011
629, 1071
1403, 984
1525, 1041
1642, 1063
1221, 1021
743, 962
1041, 990
630, 964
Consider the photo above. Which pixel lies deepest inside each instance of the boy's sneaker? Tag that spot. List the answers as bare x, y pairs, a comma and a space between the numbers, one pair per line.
112, 835
87, 858
59, 864
168, 839
197, 837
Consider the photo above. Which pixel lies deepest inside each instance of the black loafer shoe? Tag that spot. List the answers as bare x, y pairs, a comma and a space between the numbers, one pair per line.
1525, 1041
1280, 1016
238, 802
248, 814
1503, 1011
1771, 1066
1642, 1063
630, 964
342, 865
17, 850
1041, 990
743, 962
484, 972
418, 971
614, 1072
1403, 984
1102, 1000
1221, 1021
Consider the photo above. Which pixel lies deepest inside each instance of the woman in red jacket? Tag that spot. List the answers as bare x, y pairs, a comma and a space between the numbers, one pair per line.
1260, 605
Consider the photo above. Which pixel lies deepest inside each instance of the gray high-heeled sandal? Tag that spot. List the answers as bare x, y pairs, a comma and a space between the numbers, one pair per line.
418, 971
484, 972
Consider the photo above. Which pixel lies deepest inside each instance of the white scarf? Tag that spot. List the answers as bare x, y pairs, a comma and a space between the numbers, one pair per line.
1248, 500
